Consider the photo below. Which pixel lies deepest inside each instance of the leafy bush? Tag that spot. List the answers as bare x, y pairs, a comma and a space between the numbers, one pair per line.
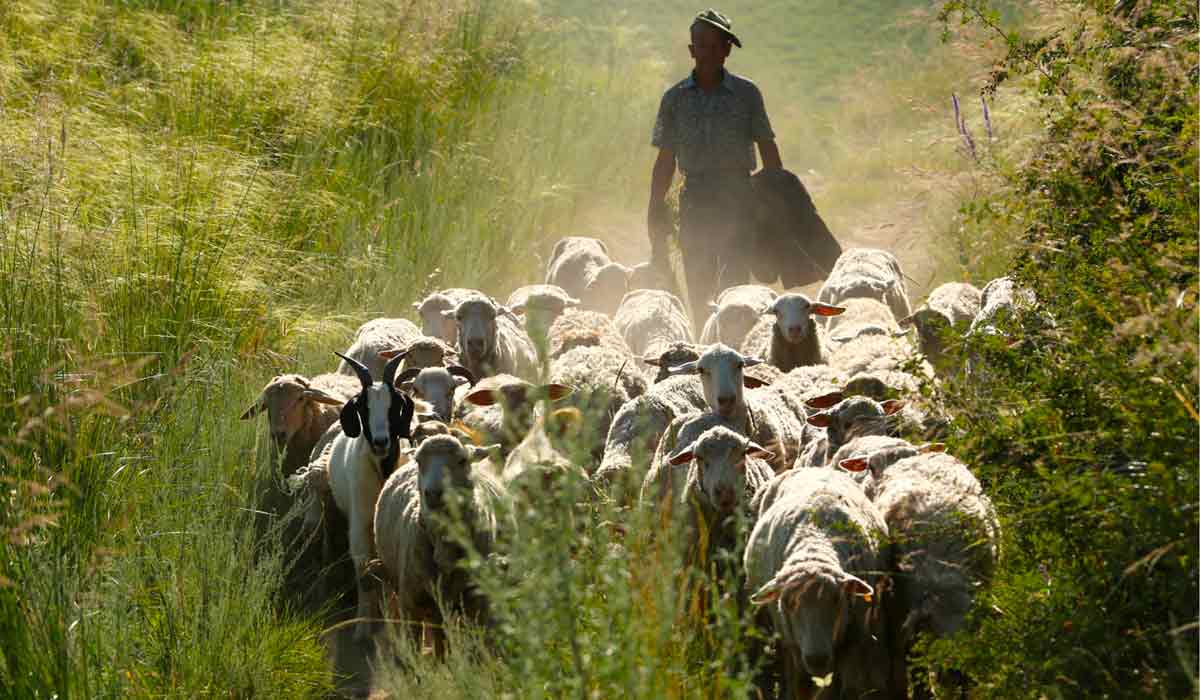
1086, 432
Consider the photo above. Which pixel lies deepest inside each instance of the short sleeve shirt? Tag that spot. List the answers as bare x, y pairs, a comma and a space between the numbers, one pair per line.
712, 131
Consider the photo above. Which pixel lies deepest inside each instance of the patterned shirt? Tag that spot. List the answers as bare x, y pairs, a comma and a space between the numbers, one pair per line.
712, 131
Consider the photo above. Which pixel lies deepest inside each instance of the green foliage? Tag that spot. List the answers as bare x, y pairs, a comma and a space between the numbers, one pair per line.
1086, 432
592, 599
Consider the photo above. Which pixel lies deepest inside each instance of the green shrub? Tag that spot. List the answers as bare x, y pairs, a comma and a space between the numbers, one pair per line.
1086, 433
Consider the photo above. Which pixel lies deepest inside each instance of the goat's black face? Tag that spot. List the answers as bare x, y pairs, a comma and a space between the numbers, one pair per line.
381, 415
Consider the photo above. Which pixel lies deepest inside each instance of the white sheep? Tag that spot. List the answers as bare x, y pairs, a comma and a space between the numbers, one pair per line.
490, 342
375, 337
425, 351
791, 339
541, 459
651, 320
606, 287
735, 312
583, 268
299, 411
431, 309
844, 419
869, 273
438, 386
422, 561
945, 537
949, 308
638, 426
875, 352
813, 560
672, 355
760, 414
1003, 303
862, 316
724, 471
363, 455
573, 262
540, 305
604, 380
882, 450
501, 409
581, 328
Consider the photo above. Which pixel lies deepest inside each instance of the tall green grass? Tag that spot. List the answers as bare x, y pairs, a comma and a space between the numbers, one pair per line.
195, 195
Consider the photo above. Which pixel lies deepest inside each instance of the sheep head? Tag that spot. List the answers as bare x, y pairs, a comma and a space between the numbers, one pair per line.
813, 598
720, 369
718, 460
793, 316
286, 399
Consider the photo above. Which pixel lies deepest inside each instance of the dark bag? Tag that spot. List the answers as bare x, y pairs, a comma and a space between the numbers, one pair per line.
790, 241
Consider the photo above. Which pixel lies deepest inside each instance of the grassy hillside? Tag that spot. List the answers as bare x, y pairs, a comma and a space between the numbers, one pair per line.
192, 197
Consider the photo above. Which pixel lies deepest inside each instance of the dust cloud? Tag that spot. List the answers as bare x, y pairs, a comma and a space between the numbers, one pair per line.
858, 94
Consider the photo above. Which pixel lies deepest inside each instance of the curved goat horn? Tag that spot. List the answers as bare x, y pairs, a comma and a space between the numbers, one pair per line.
389, 370
408, 375
460, 371
364, 374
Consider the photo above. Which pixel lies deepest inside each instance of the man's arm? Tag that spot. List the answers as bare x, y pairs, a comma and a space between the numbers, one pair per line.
769, 152
658, 218
660, 178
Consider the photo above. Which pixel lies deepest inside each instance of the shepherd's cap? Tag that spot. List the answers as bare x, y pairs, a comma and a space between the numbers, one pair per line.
720, 21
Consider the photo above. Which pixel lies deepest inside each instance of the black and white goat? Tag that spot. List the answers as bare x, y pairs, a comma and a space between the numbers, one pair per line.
363, 456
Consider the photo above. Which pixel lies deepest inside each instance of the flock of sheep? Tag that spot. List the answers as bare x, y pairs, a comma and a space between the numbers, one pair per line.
786, 413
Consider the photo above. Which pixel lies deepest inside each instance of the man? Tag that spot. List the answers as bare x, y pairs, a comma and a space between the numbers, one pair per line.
708, 124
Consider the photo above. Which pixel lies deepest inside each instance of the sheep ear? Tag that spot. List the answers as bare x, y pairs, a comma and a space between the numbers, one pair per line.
449, 314
753, 449
752, 382
681, 457
255, 408
819, 420
554, 392
751, 362
713, 306
351, 425
769, 593
892, 406
482, 397
822, 309
408, 451
394, 352
854, 464
571, 302
505, 311
518, 308
858, 587
321, 397
933, 447
907, 321
686, 368
416, 306
653, 361
829, 400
